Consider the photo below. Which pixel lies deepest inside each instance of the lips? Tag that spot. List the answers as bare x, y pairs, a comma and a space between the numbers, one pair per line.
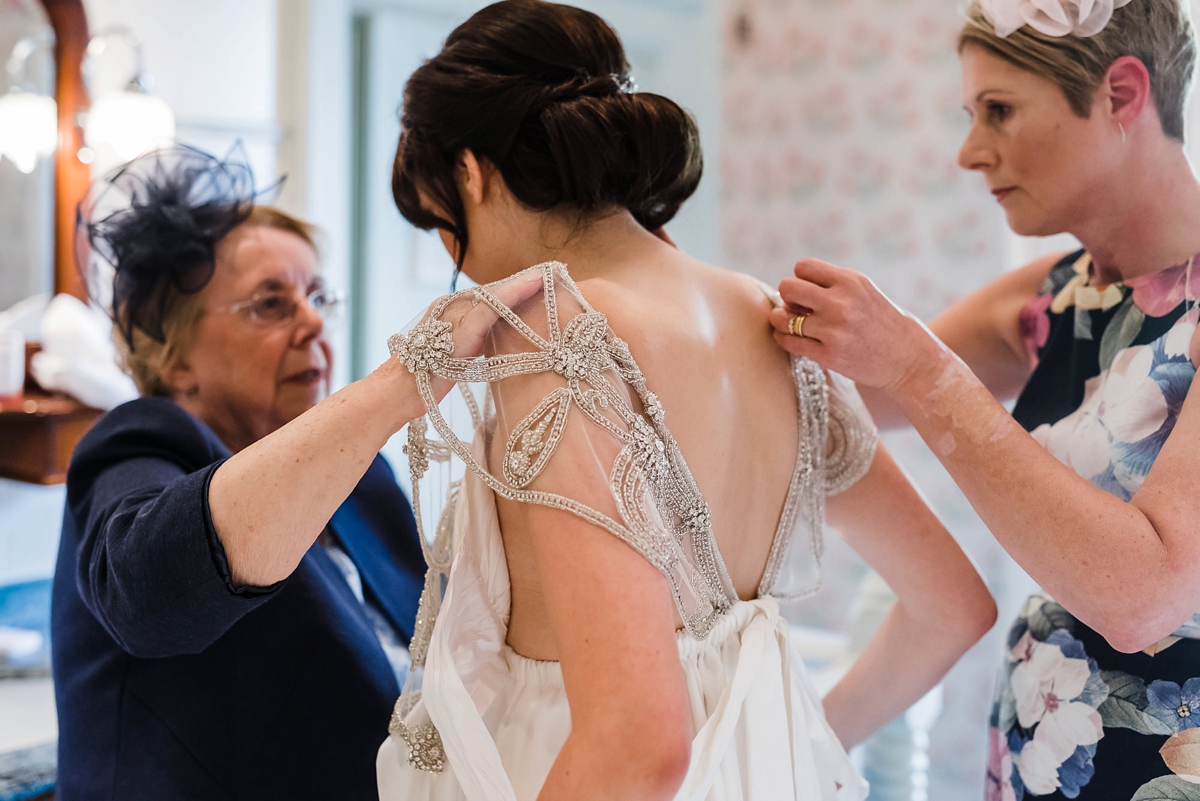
305, 377
1003, 192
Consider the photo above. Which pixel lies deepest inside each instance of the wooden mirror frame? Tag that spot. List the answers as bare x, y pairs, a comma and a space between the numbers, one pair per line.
71, 176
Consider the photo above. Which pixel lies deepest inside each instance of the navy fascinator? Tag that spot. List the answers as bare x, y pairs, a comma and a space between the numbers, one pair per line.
153, 225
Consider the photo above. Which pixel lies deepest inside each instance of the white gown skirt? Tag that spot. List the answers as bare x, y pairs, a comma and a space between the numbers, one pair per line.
760, 729
761, 733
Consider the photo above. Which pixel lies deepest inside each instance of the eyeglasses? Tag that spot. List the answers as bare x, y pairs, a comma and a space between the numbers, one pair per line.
279, 308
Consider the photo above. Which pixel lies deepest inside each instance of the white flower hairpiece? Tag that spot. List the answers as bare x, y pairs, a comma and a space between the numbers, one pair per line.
1050, 17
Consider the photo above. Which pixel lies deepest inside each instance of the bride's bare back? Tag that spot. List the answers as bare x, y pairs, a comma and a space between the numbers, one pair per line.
700, 336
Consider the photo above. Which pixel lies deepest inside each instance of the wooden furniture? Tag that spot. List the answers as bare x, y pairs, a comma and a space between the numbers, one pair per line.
38, 434
39, 431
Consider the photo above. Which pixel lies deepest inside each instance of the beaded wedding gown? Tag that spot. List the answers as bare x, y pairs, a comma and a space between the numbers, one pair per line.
560, 389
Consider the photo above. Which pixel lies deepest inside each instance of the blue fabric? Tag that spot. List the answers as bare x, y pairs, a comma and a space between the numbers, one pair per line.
27, 606
28, 773
171, 682
382, 561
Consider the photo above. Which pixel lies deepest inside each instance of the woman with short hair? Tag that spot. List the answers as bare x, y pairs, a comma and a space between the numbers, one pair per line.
1093, 483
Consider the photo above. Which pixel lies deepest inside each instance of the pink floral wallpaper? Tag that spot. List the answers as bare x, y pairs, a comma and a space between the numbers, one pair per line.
841, 124
842, 121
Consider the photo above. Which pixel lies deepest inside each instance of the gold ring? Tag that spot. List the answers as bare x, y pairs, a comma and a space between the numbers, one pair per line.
796, 325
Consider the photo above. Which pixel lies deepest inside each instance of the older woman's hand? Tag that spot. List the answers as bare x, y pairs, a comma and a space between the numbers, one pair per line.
850, 326
473, 322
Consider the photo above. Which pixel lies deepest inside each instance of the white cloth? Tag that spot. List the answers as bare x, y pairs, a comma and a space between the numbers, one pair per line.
760, 728
78, 356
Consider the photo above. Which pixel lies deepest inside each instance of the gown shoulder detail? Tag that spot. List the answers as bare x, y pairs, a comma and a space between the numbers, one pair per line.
560, 386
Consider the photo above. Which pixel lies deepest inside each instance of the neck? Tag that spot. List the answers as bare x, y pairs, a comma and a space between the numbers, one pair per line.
1146, 218
236, 437
590, 247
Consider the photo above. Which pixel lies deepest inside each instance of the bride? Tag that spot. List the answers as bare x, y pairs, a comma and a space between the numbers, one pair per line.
648, 473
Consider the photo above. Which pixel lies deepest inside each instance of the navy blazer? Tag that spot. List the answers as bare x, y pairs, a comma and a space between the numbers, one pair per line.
171, 682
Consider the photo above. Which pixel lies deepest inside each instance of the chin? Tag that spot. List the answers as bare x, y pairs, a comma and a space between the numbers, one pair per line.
1030, 225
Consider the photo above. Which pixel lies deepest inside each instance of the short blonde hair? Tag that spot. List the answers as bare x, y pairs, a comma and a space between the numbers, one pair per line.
1157, 32
148, 360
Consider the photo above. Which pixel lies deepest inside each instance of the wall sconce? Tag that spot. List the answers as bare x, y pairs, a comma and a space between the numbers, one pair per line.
28, 119
132, 120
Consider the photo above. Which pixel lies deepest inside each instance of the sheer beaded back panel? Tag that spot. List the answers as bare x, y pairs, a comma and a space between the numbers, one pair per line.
568, 420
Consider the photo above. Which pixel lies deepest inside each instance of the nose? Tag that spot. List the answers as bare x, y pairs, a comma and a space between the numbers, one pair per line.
976, 152
309, 324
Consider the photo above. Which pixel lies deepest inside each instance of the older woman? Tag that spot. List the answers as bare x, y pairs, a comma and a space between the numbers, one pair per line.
1093, 483
204, 647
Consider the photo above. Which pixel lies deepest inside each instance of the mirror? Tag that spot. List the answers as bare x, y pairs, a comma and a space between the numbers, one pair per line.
26, 200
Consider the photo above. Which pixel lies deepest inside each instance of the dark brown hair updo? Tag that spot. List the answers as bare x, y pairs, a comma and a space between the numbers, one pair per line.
543, 92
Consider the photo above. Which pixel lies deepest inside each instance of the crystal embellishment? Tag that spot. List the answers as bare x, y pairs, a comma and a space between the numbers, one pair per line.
425, 749
425, 346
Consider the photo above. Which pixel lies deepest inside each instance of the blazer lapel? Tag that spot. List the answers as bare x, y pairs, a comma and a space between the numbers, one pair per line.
395, 591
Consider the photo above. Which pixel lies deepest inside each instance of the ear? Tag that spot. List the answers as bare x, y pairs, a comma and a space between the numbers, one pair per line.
178, 375
1127, 88
473, 177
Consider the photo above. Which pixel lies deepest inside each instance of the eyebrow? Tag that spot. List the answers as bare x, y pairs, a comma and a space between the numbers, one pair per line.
981, 94
275, 285
270, 285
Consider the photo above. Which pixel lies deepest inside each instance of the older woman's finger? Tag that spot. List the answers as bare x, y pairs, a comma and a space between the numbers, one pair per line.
514, 292
472, 323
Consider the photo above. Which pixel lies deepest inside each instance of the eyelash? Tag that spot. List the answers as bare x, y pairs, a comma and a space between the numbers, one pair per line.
998, 112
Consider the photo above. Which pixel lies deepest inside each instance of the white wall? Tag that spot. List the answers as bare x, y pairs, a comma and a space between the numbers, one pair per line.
214, 62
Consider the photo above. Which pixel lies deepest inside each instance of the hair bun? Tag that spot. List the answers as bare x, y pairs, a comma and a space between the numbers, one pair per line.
640, 151
542, 91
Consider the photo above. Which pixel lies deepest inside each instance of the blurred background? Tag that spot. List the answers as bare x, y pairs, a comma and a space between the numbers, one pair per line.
830, 128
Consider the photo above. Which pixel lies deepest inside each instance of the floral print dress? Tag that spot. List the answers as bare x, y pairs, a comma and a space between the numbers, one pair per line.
1073, 717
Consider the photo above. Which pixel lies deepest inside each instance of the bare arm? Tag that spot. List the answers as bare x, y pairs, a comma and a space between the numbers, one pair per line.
982, 329
942, 605
584, 597
613, 621
1125, 569
270, 501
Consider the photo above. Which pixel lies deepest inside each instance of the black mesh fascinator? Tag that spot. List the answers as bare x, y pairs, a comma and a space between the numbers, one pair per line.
153, 225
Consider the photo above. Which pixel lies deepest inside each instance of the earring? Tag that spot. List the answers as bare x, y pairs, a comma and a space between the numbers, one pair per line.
1122, 129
